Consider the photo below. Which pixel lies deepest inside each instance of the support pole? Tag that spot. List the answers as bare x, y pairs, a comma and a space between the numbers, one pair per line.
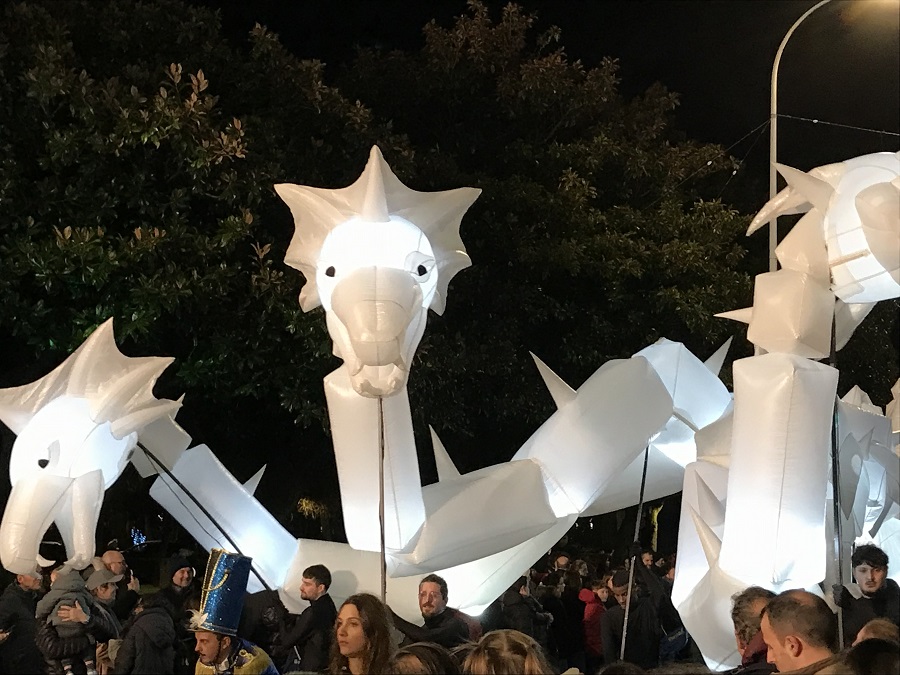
381, 497
164, 469
637, 532
836, 490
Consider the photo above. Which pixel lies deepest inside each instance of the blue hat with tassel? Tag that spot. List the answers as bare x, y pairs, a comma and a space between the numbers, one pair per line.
222, 597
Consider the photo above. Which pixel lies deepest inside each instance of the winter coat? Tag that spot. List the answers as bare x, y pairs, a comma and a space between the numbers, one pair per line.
149, 644
306, 644
593, 611
644, 633
523, 613
19, 653
102, 626
445, 629
754, 661
857, 612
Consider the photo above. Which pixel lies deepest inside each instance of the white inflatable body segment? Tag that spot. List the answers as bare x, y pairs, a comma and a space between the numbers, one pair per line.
247, 523
783, 406
354, 431
590, 440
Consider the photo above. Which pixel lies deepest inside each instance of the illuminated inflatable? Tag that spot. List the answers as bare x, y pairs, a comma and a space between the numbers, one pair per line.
752, 508
376, 256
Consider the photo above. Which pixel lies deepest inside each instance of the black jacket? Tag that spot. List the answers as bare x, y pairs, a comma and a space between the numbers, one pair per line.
857, 612
19, 654
102, 626
525, 614
149, 644
305, 645
445, 629
644, 633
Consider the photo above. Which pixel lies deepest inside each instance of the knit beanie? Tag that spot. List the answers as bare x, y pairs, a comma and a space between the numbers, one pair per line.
175, 563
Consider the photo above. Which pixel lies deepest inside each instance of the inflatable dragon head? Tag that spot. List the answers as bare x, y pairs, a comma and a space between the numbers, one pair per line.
75, 430
376, 255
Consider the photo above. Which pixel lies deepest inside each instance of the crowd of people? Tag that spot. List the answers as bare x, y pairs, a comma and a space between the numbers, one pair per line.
566, 616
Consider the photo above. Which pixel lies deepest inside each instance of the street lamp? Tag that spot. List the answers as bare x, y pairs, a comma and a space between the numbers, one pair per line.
773, 134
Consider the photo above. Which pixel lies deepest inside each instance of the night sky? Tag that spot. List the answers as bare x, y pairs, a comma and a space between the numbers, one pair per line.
839, 67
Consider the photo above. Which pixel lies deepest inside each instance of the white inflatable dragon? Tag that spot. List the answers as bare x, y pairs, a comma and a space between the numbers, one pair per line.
376, 256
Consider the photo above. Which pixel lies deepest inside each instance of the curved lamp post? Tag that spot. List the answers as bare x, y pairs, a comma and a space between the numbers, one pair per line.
773, 133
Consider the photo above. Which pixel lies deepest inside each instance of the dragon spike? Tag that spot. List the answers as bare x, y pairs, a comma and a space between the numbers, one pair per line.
118, 387
710, 506
251, 485
816, 190
561, 392
376, 196
374, 206
712, 545
743, 315
445, 467
714, 362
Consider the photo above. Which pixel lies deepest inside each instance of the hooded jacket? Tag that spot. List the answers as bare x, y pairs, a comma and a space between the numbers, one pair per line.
593, 612
19, 653
149, 644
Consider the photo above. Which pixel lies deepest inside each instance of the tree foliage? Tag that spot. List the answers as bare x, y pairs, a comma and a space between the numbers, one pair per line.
139, 149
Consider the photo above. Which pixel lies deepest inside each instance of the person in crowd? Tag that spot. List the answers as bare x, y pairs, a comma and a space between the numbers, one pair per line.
102, 585
182, 590
800, 632
668, 574
307, 644
129, 587
869, 657
362, 642
507, 652
68, 639
881, 629
523, 613
583, 569
594, 609
220, 650
644, 633
442, 625
423, 658
461, 652
880, 595
647, 557
574, 606
149, 639
605, 591
746, 614
18, 652
264, 620
561, 562
68, 589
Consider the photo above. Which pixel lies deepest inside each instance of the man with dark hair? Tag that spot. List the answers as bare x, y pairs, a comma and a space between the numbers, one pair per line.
443, 626
800, 632
305, 645
746, 614
880, 595
644, 631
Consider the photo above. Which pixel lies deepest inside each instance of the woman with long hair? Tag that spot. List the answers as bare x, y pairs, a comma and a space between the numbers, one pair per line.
362, 643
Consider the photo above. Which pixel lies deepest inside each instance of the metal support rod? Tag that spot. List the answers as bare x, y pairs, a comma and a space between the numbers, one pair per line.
637, 532
836, 490
381, 497
160, 466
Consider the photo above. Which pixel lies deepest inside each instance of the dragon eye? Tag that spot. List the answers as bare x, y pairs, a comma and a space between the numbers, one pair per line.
329, 272
421, 271
43, 463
